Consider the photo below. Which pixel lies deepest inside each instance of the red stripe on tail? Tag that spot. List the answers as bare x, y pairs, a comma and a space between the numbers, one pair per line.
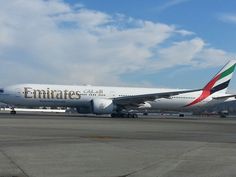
206, 91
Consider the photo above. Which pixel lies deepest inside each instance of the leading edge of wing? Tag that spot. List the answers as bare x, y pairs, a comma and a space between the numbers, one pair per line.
139, 99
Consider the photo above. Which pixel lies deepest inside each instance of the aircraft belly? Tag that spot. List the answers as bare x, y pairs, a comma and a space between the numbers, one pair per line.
47, 102
168, 104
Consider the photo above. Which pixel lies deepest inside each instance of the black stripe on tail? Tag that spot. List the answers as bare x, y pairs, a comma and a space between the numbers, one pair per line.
220, 87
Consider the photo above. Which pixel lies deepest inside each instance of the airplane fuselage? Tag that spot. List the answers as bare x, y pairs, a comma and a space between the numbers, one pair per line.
115, 100
34, 95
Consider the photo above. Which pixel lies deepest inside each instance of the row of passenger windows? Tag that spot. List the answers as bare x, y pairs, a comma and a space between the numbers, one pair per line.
101, 95
2, 91
92, 95
183, 97
126, 95
80, 94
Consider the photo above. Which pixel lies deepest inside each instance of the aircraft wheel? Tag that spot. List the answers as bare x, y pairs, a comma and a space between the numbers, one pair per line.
130, 115
124, 115
113, 115
13, 112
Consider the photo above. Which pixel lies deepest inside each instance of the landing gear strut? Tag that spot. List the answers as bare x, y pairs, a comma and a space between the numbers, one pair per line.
13, 111
125, 115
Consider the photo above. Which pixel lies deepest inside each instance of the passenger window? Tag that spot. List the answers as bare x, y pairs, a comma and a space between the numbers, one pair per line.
1, 91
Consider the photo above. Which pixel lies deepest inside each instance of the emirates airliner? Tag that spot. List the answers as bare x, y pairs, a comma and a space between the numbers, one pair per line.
120, 101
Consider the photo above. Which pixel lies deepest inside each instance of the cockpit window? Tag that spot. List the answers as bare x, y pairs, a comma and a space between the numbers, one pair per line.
1, 90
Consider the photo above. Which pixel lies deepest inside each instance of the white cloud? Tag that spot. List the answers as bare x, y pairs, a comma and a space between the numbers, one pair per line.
84, 18
185, 32
180, 53
170, 3
54, 42
229, 18
210, 57
193, 53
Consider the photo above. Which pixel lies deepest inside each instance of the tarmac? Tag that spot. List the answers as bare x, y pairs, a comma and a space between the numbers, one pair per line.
60, 145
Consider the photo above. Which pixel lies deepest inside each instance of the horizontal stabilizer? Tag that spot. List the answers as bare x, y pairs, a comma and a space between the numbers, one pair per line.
224, 97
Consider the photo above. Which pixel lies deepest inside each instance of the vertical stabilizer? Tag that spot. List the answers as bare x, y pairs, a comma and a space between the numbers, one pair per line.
220, 82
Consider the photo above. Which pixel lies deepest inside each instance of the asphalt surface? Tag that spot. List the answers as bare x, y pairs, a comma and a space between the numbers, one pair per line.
41, 145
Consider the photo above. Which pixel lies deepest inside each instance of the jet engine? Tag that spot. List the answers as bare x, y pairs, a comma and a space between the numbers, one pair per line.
84, 109
103, 106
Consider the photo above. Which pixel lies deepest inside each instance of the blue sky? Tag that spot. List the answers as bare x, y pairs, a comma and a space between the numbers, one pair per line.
154, 43
199, 16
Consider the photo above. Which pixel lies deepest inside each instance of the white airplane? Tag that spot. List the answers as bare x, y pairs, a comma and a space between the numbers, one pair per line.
119, 101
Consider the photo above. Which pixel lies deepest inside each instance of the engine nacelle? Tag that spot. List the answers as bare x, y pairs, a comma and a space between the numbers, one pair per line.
145, 105
84, 110
103, 106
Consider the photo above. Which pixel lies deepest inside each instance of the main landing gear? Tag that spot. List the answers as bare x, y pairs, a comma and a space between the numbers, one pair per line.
125, 115
13, 111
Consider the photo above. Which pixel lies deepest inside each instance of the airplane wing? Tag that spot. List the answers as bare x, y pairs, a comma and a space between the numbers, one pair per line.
139, 99
224, 97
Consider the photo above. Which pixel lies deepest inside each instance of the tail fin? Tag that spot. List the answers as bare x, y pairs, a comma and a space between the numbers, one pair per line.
220, 82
